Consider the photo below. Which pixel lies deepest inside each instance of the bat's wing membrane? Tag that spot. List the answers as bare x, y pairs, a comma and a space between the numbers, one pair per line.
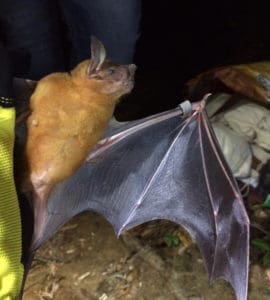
163, 167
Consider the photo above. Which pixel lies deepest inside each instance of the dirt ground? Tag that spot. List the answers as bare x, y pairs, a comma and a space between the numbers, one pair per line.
85, 260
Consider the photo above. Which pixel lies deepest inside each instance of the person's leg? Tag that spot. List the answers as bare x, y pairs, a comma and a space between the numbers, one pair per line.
35, 27
114, 22
5, 74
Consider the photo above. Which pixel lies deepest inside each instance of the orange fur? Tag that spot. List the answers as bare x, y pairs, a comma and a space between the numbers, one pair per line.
69, 115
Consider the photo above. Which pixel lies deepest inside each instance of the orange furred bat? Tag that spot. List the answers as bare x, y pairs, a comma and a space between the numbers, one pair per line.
70, 112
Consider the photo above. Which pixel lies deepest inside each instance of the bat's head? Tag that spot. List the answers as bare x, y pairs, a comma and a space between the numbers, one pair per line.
104, 76
113, 79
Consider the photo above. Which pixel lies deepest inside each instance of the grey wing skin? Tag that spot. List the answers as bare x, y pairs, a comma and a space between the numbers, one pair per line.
231, 223
164, 167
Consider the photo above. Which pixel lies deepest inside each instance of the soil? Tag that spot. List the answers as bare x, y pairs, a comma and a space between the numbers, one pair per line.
85, 260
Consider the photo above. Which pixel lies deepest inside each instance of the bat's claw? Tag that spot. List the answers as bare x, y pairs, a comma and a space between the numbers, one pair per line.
187, 107
199, 106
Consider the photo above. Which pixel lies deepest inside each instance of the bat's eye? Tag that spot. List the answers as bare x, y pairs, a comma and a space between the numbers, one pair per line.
111, 71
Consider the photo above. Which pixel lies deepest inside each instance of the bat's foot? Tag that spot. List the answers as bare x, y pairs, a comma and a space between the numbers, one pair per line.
41, 192
40, 216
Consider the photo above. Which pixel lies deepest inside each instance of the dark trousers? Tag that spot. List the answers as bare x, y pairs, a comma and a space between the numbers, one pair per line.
56, 34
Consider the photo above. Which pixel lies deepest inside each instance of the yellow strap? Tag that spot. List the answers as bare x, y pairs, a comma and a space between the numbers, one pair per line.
11, 269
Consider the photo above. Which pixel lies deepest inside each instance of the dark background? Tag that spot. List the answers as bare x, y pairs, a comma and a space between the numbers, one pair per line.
180, 39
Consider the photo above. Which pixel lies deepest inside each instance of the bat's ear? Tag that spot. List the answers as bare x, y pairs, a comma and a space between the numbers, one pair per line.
98, 55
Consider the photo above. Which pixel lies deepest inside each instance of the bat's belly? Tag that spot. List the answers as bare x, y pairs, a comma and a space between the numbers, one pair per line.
54, 153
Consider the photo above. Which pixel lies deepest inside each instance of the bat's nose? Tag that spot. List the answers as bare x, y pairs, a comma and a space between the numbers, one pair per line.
132, 68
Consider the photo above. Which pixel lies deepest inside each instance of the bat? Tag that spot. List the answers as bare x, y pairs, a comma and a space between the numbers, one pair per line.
166, 166
69, 113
